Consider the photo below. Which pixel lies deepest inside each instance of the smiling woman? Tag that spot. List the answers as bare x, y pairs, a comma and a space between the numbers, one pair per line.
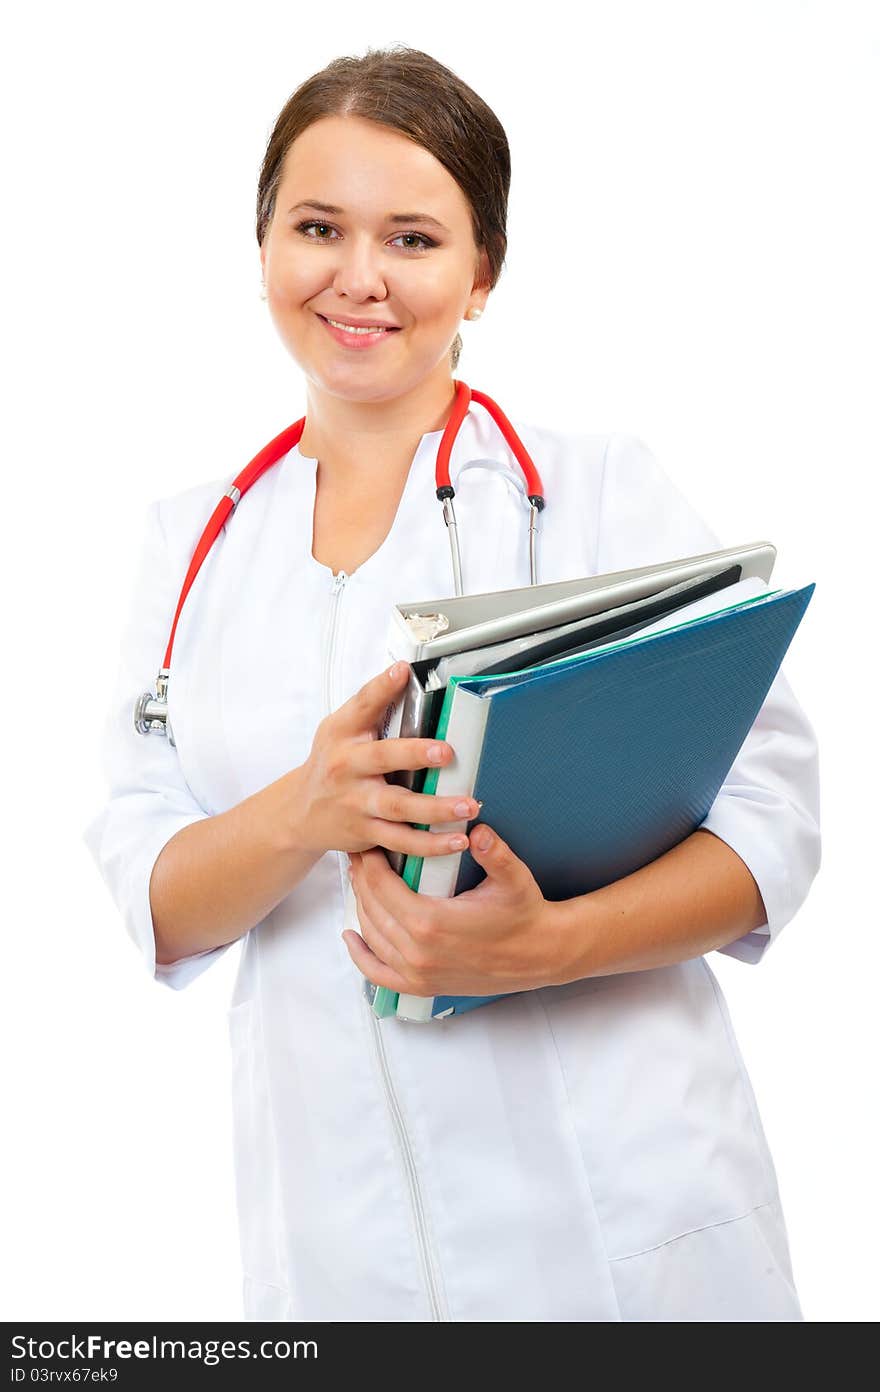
366, 296
368, 310
422, 110
586, 1151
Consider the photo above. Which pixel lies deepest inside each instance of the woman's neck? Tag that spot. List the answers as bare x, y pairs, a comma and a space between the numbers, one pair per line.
361, 438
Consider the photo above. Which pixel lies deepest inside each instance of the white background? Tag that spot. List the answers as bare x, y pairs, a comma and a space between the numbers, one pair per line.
693, 259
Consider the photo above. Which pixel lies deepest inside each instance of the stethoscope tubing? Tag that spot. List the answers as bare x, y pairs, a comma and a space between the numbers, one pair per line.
151, 711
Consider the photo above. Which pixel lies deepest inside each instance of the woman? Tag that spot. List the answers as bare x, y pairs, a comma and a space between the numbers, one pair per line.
590, 1148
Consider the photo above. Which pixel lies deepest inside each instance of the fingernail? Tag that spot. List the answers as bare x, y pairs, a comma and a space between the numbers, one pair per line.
435, 753
463, 808
458, 843
482, 838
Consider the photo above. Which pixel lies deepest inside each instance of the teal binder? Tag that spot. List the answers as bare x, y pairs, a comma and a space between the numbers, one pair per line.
596, 764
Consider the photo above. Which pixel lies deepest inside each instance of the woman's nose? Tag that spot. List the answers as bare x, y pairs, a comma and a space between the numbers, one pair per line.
359, 272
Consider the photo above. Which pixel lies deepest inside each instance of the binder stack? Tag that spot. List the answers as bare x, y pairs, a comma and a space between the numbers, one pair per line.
596, 719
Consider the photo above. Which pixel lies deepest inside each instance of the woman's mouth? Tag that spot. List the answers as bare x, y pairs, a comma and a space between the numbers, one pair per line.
352, 337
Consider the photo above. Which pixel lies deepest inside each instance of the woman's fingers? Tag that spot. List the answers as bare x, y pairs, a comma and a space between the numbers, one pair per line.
363, 711
382, 950
389, 755
372, 967
392, 803
396, 836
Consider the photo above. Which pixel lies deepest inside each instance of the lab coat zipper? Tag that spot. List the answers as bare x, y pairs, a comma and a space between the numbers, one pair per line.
431, 1280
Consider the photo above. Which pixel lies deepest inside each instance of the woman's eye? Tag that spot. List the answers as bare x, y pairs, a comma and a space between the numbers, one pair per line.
304, 225
305, 229
426, 241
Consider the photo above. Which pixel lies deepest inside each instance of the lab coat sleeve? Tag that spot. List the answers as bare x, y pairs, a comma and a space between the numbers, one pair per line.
149, 800
767, 809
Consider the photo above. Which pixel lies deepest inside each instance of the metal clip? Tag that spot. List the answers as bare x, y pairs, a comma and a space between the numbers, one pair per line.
424, 627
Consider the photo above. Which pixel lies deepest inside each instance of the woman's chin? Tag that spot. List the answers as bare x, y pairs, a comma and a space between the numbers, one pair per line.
361, 382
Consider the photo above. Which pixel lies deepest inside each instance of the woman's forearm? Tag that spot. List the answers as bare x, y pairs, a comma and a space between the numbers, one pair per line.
215, 879
697, 897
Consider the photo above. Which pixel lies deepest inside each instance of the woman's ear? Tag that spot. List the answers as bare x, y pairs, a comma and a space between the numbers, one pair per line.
482, 286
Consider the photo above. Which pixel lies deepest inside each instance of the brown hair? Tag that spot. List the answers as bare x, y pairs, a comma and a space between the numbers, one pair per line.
411, 92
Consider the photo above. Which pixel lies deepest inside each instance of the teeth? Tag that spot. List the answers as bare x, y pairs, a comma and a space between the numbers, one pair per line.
349, 328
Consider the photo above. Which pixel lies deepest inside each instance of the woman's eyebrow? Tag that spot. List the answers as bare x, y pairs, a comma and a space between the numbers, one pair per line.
392, 217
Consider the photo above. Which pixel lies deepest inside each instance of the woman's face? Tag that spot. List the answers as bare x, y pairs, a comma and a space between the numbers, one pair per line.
365, 257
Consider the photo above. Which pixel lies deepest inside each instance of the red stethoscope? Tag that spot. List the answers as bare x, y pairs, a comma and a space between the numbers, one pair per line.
151, 710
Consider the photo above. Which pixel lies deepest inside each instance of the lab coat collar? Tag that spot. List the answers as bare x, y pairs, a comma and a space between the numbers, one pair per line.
479, 458
479, 442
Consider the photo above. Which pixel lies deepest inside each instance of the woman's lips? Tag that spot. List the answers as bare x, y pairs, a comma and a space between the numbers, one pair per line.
356, 340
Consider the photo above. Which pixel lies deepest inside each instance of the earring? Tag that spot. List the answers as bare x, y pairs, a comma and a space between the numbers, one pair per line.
473, 313
262, 289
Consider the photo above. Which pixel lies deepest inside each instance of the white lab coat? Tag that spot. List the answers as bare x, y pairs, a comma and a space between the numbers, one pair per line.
584, 1152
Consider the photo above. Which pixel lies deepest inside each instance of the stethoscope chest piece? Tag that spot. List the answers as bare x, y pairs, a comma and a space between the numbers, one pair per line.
151, 709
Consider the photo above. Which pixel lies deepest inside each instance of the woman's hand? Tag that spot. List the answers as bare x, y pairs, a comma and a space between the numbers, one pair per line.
343, 800
501, 936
